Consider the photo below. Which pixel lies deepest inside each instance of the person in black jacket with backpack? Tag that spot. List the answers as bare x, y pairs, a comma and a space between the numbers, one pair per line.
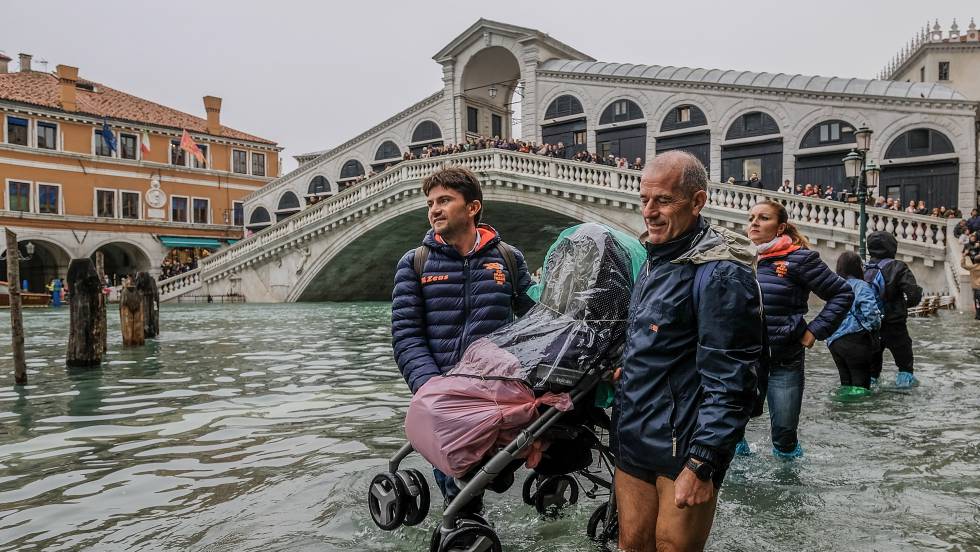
788, 271
900, 292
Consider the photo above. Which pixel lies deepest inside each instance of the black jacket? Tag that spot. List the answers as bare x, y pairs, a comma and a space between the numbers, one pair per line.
901, 289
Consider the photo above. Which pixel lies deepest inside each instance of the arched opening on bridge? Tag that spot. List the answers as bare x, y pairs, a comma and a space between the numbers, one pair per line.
835, 139
259, 220
564, 123
48, 261
685, 128
426, 135
388, 155
921, 165
489, 80
622, 131
762, 155
122, 259
365, 269
318, 189
288, 206
350, 173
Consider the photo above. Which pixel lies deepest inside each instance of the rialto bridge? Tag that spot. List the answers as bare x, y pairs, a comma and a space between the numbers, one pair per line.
346, 247
343, 240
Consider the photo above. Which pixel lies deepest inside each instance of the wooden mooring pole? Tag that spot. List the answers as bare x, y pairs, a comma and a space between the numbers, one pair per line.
102, 318
131, 314
85, 294
150, 294
16, 315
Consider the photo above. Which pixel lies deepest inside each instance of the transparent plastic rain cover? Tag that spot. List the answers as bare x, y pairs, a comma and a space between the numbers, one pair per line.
578, 325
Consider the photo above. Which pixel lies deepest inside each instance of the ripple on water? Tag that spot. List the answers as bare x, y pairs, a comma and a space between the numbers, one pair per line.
212, 439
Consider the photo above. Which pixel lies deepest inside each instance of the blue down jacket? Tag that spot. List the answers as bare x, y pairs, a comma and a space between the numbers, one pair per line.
689, 374
787, 274
864, 315
461, 301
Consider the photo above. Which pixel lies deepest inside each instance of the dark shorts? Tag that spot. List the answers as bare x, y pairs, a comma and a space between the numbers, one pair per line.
650, 476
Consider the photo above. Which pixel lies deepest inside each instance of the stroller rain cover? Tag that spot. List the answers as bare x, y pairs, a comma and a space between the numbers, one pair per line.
577, 329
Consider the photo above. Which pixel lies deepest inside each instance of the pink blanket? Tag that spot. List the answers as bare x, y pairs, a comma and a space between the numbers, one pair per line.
455, 421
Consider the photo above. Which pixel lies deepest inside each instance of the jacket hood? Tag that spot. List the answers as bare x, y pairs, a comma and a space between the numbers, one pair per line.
488, 238
719, 244
882, 245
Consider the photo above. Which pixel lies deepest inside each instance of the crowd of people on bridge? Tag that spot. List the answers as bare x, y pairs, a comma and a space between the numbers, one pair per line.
181, 260
705, 325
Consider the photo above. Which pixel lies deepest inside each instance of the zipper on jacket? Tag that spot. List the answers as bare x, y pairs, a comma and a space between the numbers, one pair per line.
466, 306
670, 418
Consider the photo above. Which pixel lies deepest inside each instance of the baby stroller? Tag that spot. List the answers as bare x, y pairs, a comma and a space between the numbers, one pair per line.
533, 390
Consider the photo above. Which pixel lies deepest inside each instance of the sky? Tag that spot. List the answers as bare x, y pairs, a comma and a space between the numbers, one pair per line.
311, 75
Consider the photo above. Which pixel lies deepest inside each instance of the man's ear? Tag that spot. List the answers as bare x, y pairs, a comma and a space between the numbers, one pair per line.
699, 200
474, 207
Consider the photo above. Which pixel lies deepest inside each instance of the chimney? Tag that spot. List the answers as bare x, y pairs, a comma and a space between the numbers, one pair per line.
67, 78
4, 60
25, 62
212, 105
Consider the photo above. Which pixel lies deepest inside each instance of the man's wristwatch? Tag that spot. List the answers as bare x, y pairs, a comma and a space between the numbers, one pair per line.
703, 470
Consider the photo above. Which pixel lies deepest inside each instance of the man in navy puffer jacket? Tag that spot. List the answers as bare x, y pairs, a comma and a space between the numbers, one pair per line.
688, 385
463, 293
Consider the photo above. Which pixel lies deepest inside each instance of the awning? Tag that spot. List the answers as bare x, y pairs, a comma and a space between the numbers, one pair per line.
181, 241
231, 242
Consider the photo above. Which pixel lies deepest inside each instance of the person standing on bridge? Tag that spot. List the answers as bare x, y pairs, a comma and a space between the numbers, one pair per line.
900, 292
689, 374
460, 285
972, 265
788, 271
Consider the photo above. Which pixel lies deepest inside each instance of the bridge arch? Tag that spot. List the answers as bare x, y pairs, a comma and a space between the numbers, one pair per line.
401, 226
258, 219
487, 83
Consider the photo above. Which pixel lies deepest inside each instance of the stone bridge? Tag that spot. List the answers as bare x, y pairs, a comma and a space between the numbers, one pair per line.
345, 248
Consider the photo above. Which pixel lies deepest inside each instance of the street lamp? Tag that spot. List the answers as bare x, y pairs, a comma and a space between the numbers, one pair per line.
492, 91
865, 175
28, 247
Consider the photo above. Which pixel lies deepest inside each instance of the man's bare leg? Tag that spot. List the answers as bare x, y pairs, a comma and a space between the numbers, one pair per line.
681, 529
637, 505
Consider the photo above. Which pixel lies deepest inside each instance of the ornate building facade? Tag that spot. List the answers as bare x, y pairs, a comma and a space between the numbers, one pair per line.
88, 168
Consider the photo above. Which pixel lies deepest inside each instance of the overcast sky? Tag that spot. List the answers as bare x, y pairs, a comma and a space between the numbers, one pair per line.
311, 75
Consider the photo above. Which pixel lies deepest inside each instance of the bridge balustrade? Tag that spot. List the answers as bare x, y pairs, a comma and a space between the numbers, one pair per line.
732, 200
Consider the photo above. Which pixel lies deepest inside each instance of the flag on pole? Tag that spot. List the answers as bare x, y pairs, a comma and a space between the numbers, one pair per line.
108, 136
187, 144
145, 143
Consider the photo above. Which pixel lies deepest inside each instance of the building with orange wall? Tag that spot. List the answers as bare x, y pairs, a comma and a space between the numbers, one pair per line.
69, 194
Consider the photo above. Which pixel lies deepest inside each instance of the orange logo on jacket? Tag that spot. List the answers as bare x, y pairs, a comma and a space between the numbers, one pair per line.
782, 268
436, 278
654, 328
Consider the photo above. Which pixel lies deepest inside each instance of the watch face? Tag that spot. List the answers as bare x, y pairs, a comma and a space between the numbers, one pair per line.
156, 198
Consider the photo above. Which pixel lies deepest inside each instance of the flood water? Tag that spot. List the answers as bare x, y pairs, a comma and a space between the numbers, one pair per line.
258, 428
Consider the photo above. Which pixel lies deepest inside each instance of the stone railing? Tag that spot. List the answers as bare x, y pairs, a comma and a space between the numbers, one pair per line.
179, 284
907, 228
825, 215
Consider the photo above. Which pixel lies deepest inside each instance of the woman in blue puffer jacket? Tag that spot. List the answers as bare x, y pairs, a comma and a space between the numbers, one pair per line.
854, 343
788, 271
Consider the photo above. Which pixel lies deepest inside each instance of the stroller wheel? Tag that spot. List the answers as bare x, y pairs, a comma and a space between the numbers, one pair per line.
417, 499
386, 501
531, 485
468, 536
555, 493
600, 530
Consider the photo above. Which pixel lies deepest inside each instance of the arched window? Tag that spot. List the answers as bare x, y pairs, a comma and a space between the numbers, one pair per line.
620, 111
754, 123
683, 116
563, 106
388, 150
318, 186
288, 202
351, 169
828, 133
918, 142
427, 131
934, 181
259, 218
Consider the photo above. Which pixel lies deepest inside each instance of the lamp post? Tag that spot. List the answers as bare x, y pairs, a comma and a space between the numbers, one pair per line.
866, 174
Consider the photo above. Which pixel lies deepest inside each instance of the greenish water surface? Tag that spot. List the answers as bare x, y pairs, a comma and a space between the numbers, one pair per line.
258, 428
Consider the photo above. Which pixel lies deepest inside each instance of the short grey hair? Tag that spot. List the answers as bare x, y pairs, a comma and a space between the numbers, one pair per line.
694, 177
